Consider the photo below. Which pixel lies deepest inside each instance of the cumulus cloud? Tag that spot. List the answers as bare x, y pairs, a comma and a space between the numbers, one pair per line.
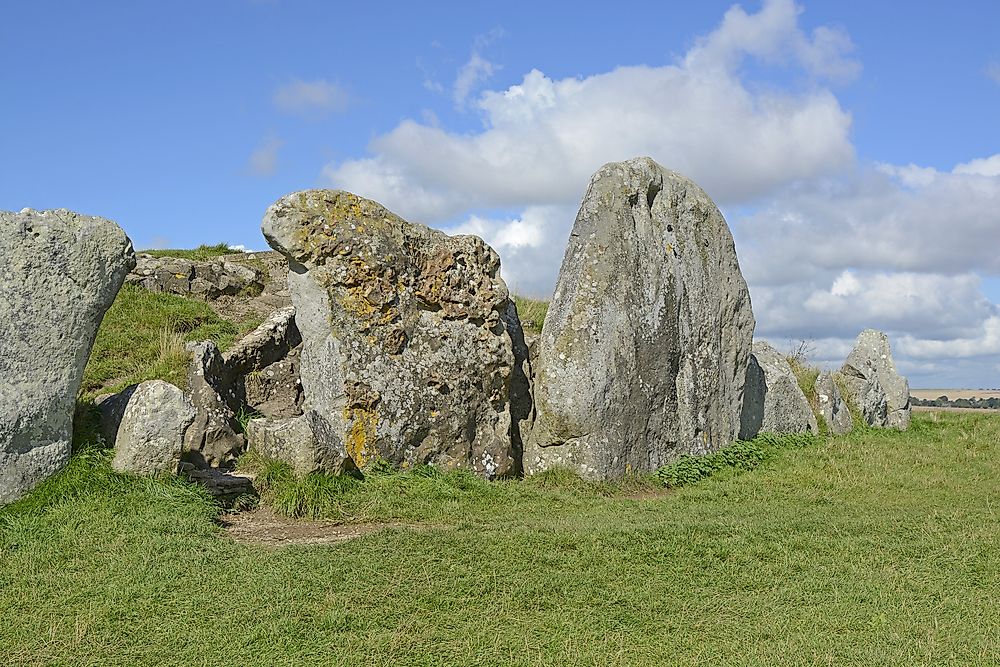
264, 159
311, 98
544, 137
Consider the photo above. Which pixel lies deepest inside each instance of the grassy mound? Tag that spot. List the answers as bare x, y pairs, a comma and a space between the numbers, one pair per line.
142, 338
199, 254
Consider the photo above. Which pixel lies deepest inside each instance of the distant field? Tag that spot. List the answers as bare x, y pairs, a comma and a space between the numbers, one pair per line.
952, 394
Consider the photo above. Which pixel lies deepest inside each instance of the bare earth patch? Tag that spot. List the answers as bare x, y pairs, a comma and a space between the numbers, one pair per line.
262, 527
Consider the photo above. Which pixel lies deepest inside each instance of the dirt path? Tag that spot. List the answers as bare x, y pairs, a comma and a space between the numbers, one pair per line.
262, 527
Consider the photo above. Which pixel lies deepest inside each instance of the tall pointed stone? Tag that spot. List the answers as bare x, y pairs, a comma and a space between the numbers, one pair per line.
644, 351
875, 385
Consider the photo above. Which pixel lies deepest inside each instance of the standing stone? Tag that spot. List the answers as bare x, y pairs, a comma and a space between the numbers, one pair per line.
645, 346
61, 270
213, 440
784, 408
151, 432
409, 336
870, 374
832, 406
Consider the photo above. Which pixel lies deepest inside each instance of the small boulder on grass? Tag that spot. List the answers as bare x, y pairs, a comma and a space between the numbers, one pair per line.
773, 402
294, 440
151, 433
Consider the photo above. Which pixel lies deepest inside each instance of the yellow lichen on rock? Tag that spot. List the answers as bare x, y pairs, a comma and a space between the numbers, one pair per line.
360, 442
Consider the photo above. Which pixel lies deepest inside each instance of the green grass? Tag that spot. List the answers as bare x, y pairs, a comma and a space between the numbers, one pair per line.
531, 312
876, 548
142, 338
200, 254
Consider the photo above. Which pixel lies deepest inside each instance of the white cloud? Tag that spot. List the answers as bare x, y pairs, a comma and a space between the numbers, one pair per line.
264, 159
992, 71
544, 137
477, 70
311, 98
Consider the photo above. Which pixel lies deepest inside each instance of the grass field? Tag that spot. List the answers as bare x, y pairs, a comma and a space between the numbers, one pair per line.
879, 548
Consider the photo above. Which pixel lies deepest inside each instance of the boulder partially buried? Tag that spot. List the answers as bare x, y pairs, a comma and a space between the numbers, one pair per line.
870, 375
151, 432
783, 406
62, 270
409, 337
294, 440
645, 346
831, 404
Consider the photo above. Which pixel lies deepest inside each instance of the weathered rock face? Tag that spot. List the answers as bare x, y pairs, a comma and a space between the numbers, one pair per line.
213, 440
208, 279
151, 433
869, 370
62, 270
832, 405
294, 441
645, 345
409, 337
783, 406
263, 368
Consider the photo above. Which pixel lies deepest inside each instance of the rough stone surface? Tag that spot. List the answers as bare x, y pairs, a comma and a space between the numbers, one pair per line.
409, 336
111, 408
62, 270
646, 342
783, 408
832, 406
262, 369
292, 440
151, 434
213, 440
209, 279
869, 369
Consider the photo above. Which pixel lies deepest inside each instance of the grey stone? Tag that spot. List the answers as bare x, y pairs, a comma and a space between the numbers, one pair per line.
831, 404
783, 406
645, 345
62, 270
871, 376
208, 279
408, 335
213, 440
151, 434
292, 440
111, 408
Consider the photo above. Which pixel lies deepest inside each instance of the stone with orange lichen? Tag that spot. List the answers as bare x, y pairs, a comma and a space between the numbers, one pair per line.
413, 352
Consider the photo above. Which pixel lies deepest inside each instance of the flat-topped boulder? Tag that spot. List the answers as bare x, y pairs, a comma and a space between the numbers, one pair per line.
773, 401
62, 270
645, 347
411, 345
869, 373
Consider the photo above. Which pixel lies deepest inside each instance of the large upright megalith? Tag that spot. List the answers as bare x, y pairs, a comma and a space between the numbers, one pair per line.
874, 384
62, 270
644, 351
410, 341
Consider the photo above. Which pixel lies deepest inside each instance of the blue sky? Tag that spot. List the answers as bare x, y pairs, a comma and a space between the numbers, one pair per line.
851, 144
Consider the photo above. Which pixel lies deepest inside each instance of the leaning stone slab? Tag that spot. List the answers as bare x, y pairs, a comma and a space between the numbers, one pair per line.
644, 351
871, 376
292, 440
832, 406
409, 335
151, 434
61, 270
784, 408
